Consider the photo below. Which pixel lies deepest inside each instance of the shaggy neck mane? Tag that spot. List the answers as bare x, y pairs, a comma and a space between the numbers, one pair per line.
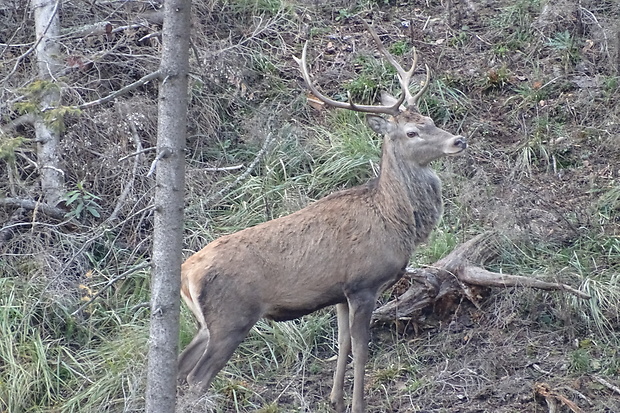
408, 196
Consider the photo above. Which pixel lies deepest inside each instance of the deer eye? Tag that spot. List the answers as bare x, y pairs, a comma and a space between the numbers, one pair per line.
412, 134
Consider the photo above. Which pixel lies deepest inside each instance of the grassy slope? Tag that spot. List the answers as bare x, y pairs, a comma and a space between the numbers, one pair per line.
540, 103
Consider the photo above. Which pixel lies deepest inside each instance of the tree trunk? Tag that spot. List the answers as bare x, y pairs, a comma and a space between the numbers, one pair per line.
168, 232
47, 27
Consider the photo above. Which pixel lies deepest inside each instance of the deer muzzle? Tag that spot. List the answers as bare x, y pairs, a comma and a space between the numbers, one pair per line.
460, 142
455, 145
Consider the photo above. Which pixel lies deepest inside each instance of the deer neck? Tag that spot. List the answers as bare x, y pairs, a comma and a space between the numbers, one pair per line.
408, 197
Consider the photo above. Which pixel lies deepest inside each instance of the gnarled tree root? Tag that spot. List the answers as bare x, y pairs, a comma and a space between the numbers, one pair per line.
454, 275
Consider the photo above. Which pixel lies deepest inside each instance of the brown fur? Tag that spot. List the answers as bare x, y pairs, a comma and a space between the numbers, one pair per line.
343, 249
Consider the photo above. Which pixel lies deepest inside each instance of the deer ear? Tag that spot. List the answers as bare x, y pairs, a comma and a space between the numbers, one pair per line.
379, 124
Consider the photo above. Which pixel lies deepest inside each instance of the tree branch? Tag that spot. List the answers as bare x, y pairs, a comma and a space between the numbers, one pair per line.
48, 210
479, 276
121, 91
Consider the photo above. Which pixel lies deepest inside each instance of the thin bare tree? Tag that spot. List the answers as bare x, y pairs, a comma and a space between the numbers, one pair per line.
47, 27
170, 181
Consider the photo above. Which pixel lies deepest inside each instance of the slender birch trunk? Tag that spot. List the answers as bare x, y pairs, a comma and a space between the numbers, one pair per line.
47, 27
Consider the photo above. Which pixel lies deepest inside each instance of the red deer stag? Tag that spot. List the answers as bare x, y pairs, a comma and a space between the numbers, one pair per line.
344, 249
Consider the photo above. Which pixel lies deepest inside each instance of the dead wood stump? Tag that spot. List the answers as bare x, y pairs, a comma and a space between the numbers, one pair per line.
455, 276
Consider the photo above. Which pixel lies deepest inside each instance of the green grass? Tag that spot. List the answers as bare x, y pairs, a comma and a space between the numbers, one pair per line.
591, 264
54, 361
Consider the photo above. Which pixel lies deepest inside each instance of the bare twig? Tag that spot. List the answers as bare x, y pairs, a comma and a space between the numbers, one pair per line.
578, 394
94, 29
552, 397
605, 43
110, 283
223, 168
163, 153
540, 370
34, 46
259, 156
141, 151
134, 171
121, 91
150, 35
606, 384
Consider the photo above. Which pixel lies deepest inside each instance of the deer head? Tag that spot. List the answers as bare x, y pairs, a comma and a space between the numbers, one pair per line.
413, 135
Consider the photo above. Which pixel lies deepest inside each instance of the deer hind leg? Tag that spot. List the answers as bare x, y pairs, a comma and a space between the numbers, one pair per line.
224, 338
360, 312
344, 349
192, 353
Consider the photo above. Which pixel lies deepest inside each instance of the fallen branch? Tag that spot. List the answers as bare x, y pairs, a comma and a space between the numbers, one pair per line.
223, 168
102, 28
484, 278
606, 384
452, 277
48, 210
552, 397
121, 91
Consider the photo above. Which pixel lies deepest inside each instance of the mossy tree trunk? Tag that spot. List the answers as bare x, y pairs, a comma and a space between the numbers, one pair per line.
168, 232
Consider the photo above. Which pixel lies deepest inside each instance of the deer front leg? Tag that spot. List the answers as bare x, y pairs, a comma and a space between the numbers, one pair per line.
344, 349
360, 311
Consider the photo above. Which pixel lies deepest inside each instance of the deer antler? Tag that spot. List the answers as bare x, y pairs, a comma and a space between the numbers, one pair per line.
404, 78
390, 110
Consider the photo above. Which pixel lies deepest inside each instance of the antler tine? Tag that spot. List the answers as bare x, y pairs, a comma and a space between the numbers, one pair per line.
390, 110
404, 77
414, 100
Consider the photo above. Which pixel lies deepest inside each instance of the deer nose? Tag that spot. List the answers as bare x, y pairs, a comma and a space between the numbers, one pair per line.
461, 142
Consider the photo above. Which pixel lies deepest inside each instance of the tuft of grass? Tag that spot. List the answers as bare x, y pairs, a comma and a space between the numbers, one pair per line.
564, 44
580, 361
441, 242
592, 263
373, 77
497, 78
608, 205
259, 7
601, 312
517, 17
445, 102
347, 154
